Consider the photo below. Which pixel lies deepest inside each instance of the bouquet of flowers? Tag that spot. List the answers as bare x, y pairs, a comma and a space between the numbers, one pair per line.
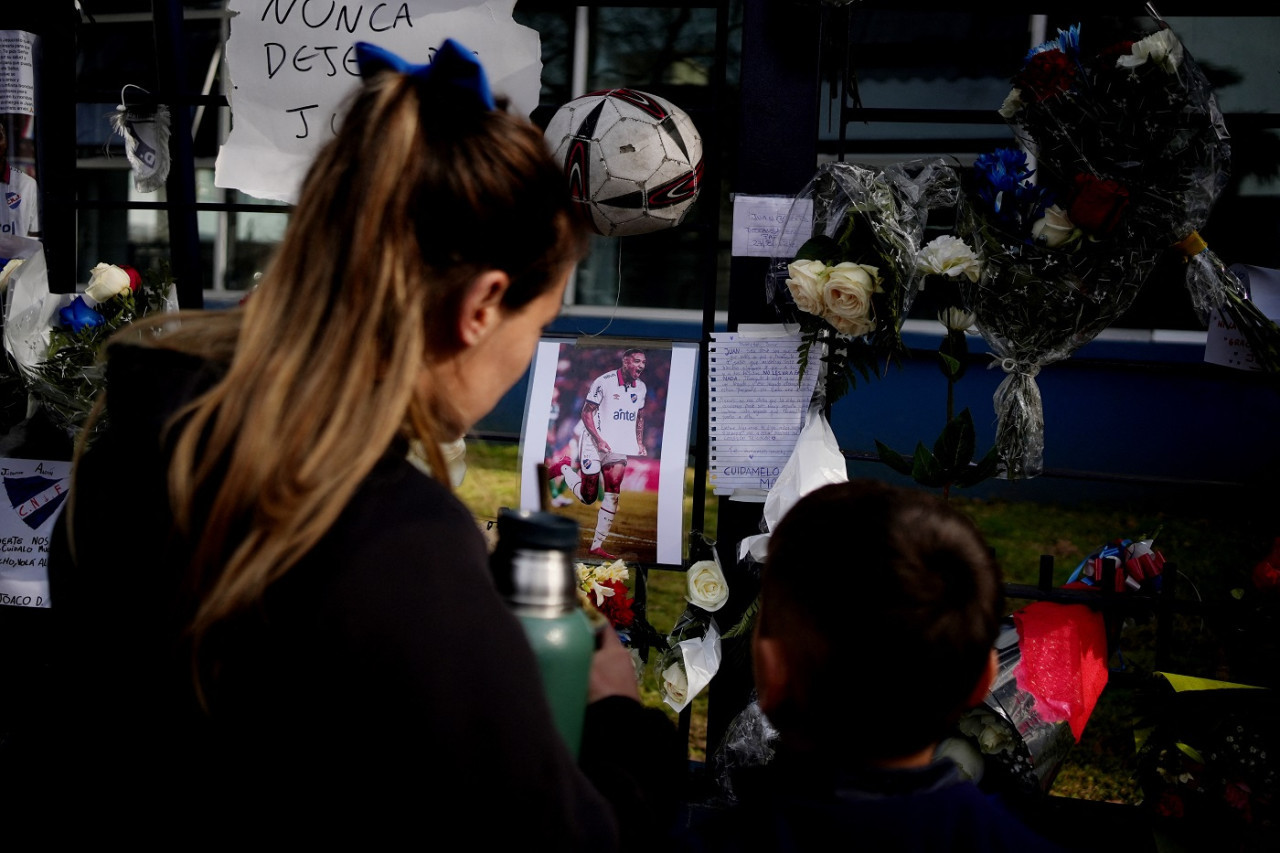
1206, 755
1020, 735
692, 656
1047, 287
853, 280
1131, 132
603, 591
56, 339
13, 398
942, 263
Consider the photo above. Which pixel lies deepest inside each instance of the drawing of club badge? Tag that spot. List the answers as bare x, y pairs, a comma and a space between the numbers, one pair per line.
35, 499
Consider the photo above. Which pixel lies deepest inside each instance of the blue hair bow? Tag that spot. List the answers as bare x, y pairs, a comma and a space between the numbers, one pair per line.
453, 66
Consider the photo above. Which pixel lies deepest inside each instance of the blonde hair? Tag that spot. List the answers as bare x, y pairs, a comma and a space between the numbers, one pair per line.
329, 359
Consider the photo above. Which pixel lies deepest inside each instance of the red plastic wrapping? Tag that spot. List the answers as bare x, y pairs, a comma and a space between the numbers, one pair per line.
1064, 660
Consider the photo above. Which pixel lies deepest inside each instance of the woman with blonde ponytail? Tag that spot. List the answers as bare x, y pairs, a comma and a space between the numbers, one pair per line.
273, 614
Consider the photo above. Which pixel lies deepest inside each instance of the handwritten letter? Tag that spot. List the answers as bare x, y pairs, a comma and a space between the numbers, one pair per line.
757, 407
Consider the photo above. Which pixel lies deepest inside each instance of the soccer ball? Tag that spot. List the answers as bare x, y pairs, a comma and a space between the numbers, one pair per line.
633, 158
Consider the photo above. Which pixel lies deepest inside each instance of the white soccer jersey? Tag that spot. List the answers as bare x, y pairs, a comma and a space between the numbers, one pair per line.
19, 207
619, 406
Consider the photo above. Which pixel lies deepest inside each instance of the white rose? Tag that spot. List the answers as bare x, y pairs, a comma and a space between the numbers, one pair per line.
847, 297
707, 586
675, 683
956, 319
1012, 103
995, 739
805, 280
1161, 47
9, 269
949, 256
1053, 229
106, 281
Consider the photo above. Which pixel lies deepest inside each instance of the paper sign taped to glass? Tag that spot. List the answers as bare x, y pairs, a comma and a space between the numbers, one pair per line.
34, 494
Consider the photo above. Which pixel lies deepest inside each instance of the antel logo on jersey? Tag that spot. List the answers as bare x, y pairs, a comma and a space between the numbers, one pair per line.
624, 416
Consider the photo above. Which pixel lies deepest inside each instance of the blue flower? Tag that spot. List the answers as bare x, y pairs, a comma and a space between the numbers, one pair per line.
78, 315
1067, 41
1003, 184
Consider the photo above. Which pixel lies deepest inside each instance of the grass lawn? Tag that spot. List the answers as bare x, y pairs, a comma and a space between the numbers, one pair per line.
1214, 549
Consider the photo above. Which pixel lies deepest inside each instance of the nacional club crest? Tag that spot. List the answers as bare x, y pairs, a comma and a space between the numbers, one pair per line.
35, 499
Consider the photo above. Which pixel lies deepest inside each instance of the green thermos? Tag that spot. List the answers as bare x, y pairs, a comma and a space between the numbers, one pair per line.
533, 566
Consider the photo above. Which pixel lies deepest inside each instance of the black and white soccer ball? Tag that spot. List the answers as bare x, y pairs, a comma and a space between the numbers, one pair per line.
633, 158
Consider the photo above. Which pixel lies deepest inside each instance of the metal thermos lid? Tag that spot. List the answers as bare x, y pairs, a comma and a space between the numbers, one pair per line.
533, 561
522, 528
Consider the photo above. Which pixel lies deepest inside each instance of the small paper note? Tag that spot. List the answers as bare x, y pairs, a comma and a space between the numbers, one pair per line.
1225, 344
770, 226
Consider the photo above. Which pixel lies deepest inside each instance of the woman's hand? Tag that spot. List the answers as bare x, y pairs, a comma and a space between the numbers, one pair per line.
612, 671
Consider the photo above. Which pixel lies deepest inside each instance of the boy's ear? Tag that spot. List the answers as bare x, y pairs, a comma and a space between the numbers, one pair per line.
482, 306
985, 680
770, 666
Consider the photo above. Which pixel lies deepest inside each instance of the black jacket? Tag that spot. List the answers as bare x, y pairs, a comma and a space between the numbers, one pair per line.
382, 687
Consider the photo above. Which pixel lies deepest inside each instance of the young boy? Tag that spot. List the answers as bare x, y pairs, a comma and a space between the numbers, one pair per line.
879, 607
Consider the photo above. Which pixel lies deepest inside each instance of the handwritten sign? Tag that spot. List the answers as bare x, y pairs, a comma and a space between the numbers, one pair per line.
292, 64
34, 493
17, 73
1225, 344
757, 406
770, 226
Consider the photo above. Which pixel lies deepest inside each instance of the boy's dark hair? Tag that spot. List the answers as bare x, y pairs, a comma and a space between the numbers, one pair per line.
886, 602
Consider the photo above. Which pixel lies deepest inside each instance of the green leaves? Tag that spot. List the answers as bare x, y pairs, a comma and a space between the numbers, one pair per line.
952, 354
846, 359
821, 248
950, 463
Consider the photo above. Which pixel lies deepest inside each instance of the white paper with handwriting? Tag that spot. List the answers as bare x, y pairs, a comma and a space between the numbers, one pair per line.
757, 406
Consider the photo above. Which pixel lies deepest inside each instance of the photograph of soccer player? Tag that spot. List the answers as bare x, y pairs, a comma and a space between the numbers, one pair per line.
612, 418
605, 442
19, 196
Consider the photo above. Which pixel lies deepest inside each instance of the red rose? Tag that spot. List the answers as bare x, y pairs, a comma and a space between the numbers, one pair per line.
1046, 74
1237, 795
1266, 576
1106, 58
1097, 204
1169, 805
617, 608
135, 279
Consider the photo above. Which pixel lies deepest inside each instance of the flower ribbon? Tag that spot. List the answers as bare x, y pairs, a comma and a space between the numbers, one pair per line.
453, 66
1012, 365
78, 315
1191, 245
